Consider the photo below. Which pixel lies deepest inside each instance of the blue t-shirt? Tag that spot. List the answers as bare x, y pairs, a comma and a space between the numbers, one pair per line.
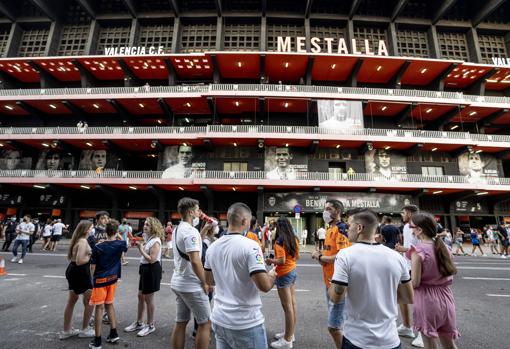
106, 257
474, 238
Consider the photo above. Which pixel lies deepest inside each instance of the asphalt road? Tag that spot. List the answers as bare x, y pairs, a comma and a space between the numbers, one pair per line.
33, 296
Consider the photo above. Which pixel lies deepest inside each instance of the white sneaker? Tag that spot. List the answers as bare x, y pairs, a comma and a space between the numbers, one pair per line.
88, 333
282, 344
148, 329
135, 326
418, 341
473, 255
20, 261
405, 331
15, 259
502, 256
282, 334
64, 335
484, 255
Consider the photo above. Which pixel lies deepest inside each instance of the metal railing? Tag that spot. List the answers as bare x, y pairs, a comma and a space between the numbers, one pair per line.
299, 90
212, 130
252, 175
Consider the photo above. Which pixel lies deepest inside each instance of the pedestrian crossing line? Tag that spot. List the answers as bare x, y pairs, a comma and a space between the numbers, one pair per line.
483, 278
13, 274
165, 284
54, 276
497, 295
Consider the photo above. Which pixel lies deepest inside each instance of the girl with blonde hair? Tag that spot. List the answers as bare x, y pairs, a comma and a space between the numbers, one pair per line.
150, 276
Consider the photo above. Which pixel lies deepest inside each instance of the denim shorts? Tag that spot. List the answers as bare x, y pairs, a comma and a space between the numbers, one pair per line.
286, 280
335, 313
250, 338
196, 303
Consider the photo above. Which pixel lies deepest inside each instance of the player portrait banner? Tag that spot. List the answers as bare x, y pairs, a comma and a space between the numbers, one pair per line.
340, 115
384, 164
285, 163
53, 160
97, 160
314, 202
180, 161
13, 159
477, 166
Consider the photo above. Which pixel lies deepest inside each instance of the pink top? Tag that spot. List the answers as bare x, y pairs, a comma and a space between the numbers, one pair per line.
430, 275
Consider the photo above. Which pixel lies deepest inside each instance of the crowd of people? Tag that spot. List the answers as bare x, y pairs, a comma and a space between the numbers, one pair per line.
219, 273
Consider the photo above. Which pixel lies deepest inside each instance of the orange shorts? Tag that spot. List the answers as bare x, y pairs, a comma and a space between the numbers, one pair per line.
103, 295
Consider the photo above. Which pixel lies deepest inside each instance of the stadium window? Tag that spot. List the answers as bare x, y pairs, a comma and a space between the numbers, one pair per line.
432, 171
235, 166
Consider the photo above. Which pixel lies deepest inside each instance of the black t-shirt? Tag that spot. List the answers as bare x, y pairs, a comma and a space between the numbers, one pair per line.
503, 232
390, 234
11, 228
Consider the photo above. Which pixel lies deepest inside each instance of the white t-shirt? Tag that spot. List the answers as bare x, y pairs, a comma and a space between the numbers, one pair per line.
232, 260
147, 247
321, 233
57, 228
304, 234
409, 240
371, 308
47, 230
25, 228
188, 239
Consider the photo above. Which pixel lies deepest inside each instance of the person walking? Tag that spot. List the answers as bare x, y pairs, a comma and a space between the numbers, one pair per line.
106, 267
167, 247
35, 235
475, 241
492, 236
389, 233
286, 255
304, 236
56, 235
503, 237
235, 265
321, 235
124, 233
10, 233
46, 234
150, 276
188, 280
79, 281
405, 329
459, 239
334, 241
24, 230
371, 288
432, 277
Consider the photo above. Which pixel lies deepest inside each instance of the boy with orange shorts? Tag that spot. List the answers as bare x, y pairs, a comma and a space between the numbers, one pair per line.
106, 267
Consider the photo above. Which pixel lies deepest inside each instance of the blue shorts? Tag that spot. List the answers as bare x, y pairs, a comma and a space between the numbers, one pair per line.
335, 313
286, 280
250, 338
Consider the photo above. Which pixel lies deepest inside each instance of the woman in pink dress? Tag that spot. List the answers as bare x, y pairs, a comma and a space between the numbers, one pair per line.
432, 276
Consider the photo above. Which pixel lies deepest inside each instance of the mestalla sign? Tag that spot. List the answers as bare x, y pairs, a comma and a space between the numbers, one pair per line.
358, 47
314, 202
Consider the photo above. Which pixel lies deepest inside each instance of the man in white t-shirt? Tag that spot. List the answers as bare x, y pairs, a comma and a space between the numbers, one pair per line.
235, 265
321, 235
304, 236
188, 280
23, 232
371, 288
405, 329
58, 228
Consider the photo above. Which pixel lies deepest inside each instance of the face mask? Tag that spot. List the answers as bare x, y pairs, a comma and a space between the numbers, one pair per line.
327, 217
216, 230
195, 222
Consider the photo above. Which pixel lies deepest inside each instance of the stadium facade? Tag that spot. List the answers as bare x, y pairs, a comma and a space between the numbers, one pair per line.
280, 104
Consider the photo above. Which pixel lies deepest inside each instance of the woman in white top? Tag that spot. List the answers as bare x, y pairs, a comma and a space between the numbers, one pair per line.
150, 276
46, 235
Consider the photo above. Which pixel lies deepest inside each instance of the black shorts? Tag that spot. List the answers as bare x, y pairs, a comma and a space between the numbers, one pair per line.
56, 237
477, 244
78, 277
150, 278
504, 242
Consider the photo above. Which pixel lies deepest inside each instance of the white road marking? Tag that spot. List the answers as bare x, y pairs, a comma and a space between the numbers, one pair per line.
482, 278
165, 284
44, 306
10, 279
54, 276
497, 295
482, 268
13, 274
297, 290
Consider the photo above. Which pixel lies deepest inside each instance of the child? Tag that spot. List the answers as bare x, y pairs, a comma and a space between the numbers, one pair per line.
106, 267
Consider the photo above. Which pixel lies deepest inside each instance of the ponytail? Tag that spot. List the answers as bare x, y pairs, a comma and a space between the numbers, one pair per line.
444, 260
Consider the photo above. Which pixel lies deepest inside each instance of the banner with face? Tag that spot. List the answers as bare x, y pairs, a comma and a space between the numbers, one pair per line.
477, 166
384, 164
284, 163
96, 159
340, 115
54, 160
179, 161
13, 159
